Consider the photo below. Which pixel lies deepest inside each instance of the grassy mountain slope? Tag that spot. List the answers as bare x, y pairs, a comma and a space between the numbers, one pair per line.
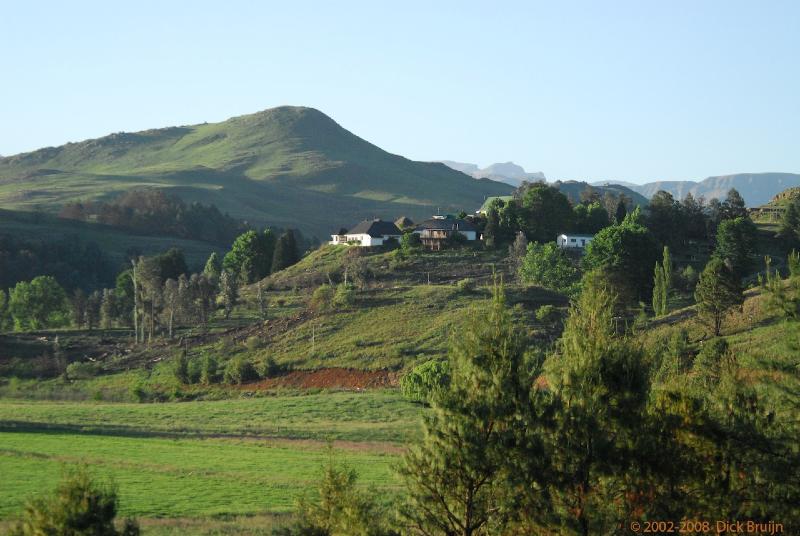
115, 243
287, 166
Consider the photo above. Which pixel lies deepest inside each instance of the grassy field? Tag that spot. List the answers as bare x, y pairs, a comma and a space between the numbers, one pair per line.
367, 416
203, 459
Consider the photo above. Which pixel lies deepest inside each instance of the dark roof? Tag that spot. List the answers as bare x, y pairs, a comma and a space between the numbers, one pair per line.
403, 221
375, 228
446, 224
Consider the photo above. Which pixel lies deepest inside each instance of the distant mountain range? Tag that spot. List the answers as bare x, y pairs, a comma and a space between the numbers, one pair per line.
756, 188
507, 172
286, 166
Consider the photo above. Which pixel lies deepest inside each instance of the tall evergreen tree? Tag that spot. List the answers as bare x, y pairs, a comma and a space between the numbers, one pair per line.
736, 244
718, 291
455, 475
491, 232
621, 211
734, 206
213, 267
662, 284
789, 230
659, 291
285, 252
601, 386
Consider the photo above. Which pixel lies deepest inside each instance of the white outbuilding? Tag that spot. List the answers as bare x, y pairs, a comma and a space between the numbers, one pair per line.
368, 233
577, 241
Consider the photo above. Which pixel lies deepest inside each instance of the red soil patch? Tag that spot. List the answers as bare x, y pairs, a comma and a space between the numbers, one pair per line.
330, 378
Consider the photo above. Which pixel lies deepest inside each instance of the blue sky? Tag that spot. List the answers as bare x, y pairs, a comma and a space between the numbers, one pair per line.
639, 90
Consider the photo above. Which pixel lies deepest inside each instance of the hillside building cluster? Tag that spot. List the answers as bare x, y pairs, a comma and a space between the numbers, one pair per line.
433, 233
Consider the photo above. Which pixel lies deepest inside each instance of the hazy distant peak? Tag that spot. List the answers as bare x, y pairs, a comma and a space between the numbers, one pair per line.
507, 172
756, 188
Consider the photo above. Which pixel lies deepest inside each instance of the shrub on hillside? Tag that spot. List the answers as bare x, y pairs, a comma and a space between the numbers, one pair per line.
239, 371
547, 314
422, 381
208, 370
322, 298
80, 505
410, 243
82, 371
181, 369
345, 296
466, 285
709, 361
270, 368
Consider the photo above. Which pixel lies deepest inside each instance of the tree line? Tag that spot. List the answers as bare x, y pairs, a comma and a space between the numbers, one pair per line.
635, 254
156, 294
151, 211
73, 262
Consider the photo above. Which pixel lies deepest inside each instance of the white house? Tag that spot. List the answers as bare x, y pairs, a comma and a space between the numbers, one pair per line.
435, 232
368, 233
578, 241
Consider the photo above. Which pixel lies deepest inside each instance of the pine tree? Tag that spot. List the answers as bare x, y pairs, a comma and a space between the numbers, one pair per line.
718, 291
517, 251
662, 284
734, 206
621, 211
491, 232
455, 475
213, 267
285, 252
659, 291
783, 298
789, 230
595, 443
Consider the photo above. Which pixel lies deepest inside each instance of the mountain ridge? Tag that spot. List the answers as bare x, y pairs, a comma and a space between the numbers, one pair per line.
289, 166
756, 188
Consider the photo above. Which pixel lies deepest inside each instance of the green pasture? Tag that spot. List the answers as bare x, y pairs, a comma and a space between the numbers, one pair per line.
200, 459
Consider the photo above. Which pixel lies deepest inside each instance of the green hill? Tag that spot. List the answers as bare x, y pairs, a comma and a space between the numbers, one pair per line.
286, 166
